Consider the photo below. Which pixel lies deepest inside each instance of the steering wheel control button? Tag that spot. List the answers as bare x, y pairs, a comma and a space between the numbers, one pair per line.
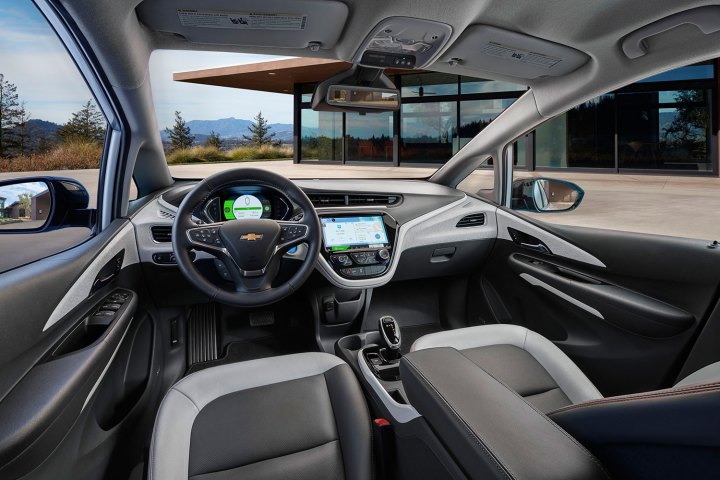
207, 236
292, 232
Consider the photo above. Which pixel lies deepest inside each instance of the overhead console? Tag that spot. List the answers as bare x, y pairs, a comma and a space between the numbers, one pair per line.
483, 48
358, 245
403, 42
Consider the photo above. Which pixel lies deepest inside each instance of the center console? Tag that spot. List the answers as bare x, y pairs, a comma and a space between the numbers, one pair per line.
358, 245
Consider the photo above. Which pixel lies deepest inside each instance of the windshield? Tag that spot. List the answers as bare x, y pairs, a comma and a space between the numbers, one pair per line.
218, 110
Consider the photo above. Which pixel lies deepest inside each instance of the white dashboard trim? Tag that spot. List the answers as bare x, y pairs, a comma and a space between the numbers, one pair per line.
402, 234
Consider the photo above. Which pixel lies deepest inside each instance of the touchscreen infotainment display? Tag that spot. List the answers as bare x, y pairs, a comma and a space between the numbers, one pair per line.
342, 233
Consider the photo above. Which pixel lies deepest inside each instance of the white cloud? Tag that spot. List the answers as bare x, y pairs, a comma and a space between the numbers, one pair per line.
11, 192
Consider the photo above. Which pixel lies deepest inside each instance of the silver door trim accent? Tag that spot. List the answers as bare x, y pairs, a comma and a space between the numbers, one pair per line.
557, 246
539, 283
80, 290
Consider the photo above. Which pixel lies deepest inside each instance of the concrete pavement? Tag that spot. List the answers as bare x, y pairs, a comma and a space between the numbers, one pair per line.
666, 205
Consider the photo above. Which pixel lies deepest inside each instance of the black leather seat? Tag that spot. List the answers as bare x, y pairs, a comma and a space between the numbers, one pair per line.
296, 417
663, 434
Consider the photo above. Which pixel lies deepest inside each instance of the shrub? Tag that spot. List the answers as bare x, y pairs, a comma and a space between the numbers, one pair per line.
196, 155
207, 154
265, 152
74, 155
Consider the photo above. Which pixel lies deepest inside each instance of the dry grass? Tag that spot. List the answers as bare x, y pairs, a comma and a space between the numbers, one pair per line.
79, 155
240, 154
68, 156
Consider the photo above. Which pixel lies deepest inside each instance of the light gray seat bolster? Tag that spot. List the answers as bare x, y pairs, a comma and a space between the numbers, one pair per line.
576, 386
708, 374
183, 402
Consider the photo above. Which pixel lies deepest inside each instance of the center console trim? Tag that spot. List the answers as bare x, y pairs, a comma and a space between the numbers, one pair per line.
400, 413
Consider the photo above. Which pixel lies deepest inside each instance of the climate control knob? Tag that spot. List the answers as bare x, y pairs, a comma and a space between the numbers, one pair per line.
383, 254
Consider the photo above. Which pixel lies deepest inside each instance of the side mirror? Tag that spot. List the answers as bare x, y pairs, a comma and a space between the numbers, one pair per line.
540, 195
43, 203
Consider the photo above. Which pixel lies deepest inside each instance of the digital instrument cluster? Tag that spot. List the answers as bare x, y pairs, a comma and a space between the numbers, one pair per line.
238, 203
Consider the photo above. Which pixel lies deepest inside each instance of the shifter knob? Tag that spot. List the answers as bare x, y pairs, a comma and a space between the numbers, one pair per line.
390, 333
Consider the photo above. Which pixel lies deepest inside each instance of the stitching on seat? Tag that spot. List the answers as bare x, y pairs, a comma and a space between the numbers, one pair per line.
503, 469
641, 396
190, 399
548, 420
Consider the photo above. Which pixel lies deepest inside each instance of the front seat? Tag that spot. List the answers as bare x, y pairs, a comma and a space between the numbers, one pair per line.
663, 434
294, 417
525, 361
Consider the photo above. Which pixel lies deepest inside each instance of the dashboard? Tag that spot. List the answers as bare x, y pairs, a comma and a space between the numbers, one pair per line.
365, 243
241, 202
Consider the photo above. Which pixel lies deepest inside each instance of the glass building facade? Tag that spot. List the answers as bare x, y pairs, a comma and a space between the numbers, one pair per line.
664, 123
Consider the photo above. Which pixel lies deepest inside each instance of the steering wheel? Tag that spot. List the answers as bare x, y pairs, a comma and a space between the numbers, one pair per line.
251, 249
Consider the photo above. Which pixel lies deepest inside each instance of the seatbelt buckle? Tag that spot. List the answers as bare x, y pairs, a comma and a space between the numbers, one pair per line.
384, 443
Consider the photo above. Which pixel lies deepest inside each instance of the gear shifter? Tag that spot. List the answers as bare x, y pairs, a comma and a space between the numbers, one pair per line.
390, 333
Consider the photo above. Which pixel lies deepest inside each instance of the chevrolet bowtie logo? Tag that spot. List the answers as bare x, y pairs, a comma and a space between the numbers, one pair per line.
251, 237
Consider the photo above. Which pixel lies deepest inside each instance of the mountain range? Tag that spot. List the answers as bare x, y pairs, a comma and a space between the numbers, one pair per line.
232, 128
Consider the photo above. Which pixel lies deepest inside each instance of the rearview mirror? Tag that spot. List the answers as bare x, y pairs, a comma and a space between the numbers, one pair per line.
545, 195
358, 89
363, 97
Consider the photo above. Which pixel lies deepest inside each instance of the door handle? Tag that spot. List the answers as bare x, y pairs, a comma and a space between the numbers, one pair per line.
540, 247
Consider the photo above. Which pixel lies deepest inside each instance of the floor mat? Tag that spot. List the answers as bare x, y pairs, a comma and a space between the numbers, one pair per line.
257, 348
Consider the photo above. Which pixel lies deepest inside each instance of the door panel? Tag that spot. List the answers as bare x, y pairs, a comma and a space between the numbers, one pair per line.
629, 319
70, 378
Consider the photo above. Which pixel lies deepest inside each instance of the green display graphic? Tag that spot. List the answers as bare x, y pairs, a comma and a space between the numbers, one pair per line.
337, 248
228, 210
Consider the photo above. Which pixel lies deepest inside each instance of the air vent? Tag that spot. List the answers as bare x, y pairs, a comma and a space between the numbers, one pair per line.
474, 220
327, 199
165, 214
341, 200
373, 199
161, 233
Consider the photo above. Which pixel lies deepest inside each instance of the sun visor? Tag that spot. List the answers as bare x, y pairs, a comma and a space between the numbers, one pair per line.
313, 24
484, 48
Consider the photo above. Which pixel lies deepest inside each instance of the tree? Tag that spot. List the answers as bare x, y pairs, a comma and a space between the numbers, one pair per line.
86, 125
9, 115
23, 132
180, 137
690, 127
260, 131
24, 204
214, 141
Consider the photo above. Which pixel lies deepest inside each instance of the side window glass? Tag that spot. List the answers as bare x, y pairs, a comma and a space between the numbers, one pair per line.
51, 141
642, 159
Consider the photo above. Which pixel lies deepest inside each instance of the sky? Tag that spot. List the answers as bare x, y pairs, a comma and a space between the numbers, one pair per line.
31, 57
11, 192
